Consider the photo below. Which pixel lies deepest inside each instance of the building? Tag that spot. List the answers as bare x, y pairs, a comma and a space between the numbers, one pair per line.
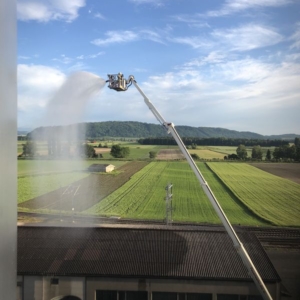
138, 262
101, 168
93, 263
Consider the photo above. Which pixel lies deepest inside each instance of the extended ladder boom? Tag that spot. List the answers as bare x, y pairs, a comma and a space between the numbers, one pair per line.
212, 198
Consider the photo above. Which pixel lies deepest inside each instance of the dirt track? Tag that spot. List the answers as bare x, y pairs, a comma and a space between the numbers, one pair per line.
289, 171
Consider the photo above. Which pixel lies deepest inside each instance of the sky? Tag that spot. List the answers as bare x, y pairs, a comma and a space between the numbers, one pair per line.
232, 64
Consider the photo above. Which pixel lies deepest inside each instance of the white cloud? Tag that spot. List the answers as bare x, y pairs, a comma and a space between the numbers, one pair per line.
116, 37
229, 94
193, 41
247, 37
23, 57
99, 16
64, 59
44, 11
296, 37
36, 83
89, 56
152, 2
126, 36
212, 58
248, 70
194, 21
151, 35
243, 38
234, 6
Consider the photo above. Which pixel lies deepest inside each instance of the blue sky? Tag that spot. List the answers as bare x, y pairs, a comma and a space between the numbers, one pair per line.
231, 64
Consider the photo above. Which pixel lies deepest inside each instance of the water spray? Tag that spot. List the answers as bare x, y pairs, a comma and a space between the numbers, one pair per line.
118, 83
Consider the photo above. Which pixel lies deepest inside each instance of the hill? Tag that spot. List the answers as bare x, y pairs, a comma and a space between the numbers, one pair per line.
130, 129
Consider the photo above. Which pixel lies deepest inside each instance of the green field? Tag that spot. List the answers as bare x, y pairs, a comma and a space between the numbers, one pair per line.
143, 197
248, 195
137, 152
38, 177
274, 199
207, 154
33, 186
39, 167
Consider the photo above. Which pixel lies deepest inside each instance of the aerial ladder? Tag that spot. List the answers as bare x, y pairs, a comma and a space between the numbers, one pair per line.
119, 83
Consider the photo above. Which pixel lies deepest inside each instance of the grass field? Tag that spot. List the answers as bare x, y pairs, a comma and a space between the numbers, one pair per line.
274, 199
38, 177
37, 167
248, 195
33, 186
207, 154
143, 197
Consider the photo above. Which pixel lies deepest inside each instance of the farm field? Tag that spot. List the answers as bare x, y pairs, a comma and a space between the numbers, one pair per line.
33, 186
169, 154
137, 151
284, 170
270, 197
207, 154
39, 167
143, 197
137, 190
84, 193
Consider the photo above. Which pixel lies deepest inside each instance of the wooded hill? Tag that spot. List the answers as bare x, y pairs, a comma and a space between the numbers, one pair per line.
129, 129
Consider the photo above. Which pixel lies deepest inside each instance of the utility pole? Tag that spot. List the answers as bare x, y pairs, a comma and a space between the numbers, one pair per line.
169, 195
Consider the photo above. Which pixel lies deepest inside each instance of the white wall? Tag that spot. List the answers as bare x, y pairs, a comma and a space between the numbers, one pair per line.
8, 150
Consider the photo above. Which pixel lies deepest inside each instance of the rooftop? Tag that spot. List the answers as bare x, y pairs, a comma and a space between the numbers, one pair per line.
138, 252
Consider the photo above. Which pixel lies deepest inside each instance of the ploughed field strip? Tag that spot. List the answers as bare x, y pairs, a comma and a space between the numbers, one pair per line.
169, 154
84, 193
285, 170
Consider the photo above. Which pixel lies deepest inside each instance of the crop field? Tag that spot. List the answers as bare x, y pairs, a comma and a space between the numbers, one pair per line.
284, 170
83, 193
207, 154
33, 186
143, 197
136, 151
274, 199
169, 154
40, 167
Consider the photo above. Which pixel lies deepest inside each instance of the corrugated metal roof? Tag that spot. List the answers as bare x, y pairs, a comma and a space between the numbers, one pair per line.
194, 254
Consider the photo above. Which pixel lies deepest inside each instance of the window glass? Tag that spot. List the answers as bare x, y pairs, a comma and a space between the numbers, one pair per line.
106, 295
181, 296
196, 296
164, 296
227, 297
255, 297
122, 296
136, 295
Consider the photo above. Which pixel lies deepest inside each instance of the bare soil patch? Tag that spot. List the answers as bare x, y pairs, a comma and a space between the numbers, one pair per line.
289, 171
169, 154
102, 150
86, 192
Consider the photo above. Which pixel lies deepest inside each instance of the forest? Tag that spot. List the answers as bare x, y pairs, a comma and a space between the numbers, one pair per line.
130, 129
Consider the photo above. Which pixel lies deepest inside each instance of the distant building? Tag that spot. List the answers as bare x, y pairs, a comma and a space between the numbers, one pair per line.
135, 262
101, 168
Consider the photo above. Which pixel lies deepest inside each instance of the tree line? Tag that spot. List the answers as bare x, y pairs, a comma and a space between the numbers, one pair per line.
189, 141
284, 152
288, 151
